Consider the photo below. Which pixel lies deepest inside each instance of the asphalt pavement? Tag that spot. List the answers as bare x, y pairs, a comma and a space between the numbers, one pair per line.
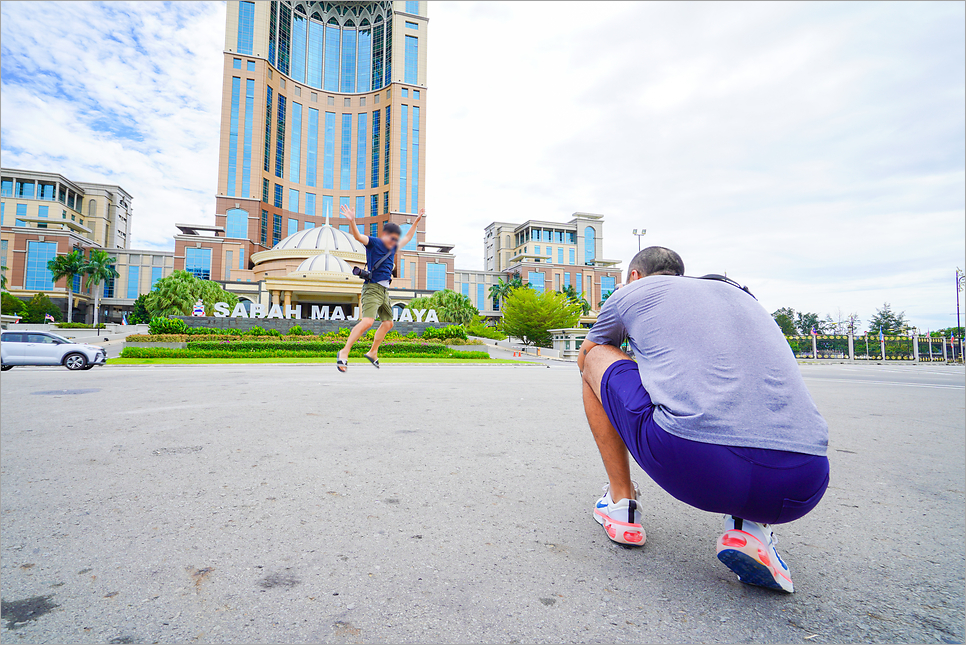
290, 503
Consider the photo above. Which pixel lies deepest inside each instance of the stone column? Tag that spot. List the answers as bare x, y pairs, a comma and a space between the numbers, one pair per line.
851, 347
814, 347
275, 298
288, 298
915, 348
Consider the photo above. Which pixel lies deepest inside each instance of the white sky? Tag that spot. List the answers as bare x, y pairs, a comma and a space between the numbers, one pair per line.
813, 151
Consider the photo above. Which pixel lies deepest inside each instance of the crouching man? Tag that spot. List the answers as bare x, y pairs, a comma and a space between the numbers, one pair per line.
714, 410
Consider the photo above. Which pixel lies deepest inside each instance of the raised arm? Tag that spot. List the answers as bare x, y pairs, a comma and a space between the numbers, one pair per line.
350, 215
412, 230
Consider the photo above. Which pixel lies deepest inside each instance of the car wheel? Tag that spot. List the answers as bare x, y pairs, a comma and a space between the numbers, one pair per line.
6, 367
75, 361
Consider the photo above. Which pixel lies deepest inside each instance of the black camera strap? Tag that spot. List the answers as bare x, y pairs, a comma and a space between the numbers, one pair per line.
379, 263
721, 278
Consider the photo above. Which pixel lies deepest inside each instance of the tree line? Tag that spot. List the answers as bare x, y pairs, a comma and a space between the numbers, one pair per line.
885, 319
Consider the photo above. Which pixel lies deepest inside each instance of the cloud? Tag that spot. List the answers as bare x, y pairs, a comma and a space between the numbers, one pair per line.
814, 151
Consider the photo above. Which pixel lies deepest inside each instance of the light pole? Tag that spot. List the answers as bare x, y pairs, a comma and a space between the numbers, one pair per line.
960, 282
644, 232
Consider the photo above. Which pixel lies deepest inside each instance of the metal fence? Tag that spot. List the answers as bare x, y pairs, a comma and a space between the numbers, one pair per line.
870, 347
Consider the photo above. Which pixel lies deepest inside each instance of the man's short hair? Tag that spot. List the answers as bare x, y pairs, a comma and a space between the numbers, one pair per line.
657, 260
392, 228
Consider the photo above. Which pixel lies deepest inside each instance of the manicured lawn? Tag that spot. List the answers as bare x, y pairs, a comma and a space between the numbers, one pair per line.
352, 362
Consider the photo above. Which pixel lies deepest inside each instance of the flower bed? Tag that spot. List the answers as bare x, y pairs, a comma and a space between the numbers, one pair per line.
280, 350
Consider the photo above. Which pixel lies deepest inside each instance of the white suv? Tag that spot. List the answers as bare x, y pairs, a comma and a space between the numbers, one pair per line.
42, 348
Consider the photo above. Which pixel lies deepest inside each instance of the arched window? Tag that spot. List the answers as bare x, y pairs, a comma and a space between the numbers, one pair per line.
590, 245
508, 241
91, 208
236, 224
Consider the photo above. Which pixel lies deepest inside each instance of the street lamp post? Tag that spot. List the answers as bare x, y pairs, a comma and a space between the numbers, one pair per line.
960, 282
644, 232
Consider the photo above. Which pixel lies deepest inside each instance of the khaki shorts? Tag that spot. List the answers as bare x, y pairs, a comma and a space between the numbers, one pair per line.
375, 302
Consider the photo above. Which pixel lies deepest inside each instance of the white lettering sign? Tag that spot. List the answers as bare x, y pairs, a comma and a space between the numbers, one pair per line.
338, 312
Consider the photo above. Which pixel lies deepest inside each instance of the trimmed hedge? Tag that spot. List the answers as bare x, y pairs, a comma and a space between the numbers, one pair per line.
244, 347
450, 331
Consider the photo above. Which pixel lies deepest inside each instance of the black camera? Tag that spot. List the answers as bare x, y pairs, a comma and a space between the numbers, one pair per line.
362, 273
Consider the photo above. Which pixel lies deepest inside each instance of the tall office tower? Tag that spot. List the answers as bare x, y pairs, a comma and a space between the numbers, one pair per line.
323, 106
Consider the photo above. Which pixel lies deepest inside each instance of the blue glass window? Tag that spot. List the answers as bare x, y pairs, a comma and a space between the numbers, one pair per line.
348, 60
272, 30
373, 205
327, 206
403, 155
465, 289
312, 153
535, 280
412, 60
377, 49
246, 27
343, 201
412, 25
364, 62
328, 154
560, 255
278, 196
280, 137
284, 36
251, 66
75, 283
566, 279
580, 284
414, 171
310, 204
573, 254
42, 211
156, 274
236, 63
21, 212
247, 150
344, 228
412, 6
385, 157
276, 228
375, 150
6, 188
37, 276
314, 74
108, 288
416, 94
268, 127
385, 202
536, 250
46, 192
236, 223
331, 61
309, 225
133, 277
233, 136
293, 226
241, 258
435, 277
607, 285
402, 268
293, 200
197, 262
373, 229
345, 181
480, 296
404, 92
264, 227
412, 246
361, 138
590, 249
229, 258
298, 46
295, 155
360, 206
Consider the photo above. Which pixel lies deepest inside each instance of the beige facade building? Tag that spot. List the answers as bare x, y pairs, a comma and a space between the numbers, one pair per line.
44, 214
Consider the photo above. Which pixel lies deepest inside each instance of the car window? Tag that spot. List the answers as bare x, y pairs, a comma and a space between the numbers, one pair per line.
40, 338
12, 338
60, 338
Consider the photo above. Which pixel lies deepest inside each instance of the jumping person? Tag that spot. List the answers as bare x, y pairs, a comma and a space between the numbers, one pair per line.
714, 410
380, 256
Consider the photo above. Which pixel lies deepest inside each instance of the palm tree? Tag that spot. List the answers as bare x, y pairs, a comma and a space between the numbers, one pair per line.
500, 290
604, 299
99, 267
68, 266
573, 296
3, 278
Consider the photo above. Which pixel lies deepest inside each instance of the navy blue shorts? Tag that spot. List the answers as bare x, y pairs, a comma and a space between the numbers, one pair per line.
767, 486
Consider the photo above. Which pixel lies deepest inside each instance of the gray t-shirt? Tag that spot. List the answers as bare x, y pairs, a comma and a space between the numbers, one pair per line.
716, 365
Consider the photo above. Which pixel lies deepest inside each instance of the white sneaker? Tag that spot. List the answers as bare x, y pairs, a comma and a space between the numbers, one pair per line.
621, 520
748, 549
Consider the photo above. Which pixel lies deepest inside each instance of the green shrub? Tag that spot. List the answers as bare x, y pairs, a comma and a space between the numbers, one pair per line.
321, 347
275, 332
412, 334
286, 352
11, 305
255, 331
460, 341
72, 325
297, 330
450, 331
476, 328
39, 307
469, 355
202, 331
160, 325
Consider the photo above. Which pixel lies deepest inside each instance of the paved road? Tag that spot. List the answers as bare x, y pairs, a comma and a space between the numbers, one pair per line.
285, 503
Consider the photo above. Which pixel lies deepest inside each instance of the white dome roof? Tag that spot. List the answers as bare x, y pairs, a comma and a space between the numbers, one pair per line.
324, 262
316, 238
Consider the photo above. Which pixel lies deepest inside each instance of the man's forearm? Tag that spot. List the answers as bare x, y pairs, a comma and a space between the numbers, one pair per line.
412, 232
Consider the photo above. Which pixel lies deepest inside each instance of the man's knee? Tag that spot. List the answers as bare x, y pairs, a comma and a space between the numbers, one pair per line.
387, 324
367, 322
596, 361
